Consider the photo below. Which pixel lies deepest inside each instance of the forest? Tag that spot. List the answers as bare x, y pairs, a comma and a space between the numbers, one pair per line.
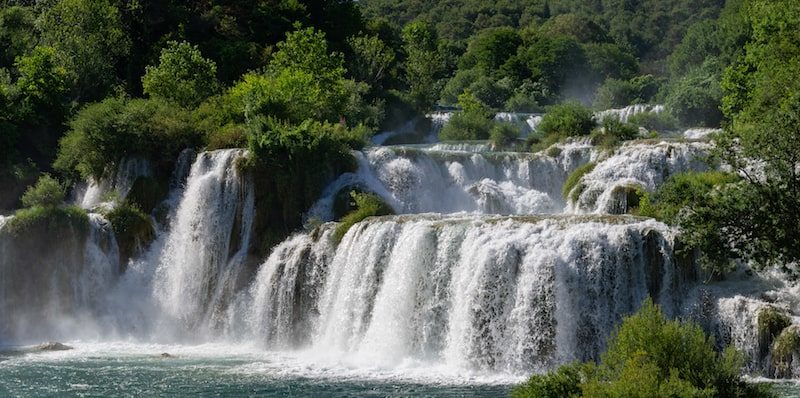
85, 84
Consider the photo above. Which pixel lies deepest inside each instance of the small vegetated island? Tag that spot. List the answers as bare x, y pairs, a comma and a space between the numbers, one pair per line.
547, 198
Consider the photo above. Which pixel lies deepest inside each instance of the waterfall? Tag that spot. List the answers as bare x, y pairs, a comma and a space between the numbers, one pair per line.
624, 114
510, 294
635, 165
422, 179
486, 268
53, 282
120, 183
207, 242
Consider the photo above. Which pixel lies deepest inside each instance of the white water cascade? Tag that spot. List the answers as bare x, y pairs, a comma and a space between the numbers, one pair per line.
422, 179
119, 183
486, 269
55, 286
643, 165
207, 243
501, 294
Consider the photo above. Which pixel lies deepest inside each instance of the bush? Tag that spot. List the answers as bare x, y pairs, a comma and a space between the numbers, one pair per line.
367, 205
613, 132
696, 98
48, 220
291, 165
682, 191
615, 93
651, 356
562, 383
474, 122
132, 228
661, 121
465, 127
521, 102
571, 188
104, 133
567, 120
47, 192
503, 134
623, 131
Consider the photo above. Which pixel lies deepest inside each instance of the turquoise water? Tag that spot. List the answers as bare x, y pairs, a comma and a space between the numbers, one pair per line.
129, 370
122, 369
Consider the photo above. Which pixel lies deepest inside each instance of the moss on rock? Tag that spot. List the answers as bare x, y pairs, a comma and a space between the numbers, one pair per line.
367, 205
147, 192
786, 351
573, 187
133, 230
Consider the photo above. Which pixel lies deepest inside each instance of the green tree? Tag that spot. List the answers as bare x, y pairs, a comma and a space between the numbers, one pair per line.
423, 65
42, 84
17, 33
372, 59
182, 75
90, 37
489, 49
474, 122
104, 133
757, 219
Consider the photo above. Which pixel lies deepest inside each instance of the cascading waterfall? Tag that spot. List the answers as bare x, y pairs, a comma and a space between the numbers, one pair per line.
120, 183
641, 165
204, 251
486, 268
506, 294
55, 285
624, 114
421, 179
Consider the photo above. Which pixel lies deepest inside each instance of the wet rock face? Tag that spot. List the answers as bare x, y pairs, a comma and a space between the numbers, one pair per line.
52, 346
786, 354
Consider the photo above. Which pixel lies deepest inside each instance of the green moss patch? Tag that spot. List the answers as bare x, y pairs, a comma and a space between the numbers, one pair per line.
366, 205
132, 228
573, 187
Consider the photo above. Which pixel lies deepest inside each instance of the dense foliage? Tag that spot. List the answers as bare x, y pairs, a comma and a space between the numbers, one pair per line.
642, 360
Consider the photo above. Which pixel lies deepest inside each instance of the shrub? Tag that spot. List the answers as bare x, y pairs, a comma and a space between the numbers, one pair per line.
367, 205
465, 127
567, 120
291, 165
562, 383
651, 356
472, 123
615, 93
659, 121
521, 102
503, 134
104, 133
682, 191
48, 220
571, 188
538, 143
132, 228
47, 192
